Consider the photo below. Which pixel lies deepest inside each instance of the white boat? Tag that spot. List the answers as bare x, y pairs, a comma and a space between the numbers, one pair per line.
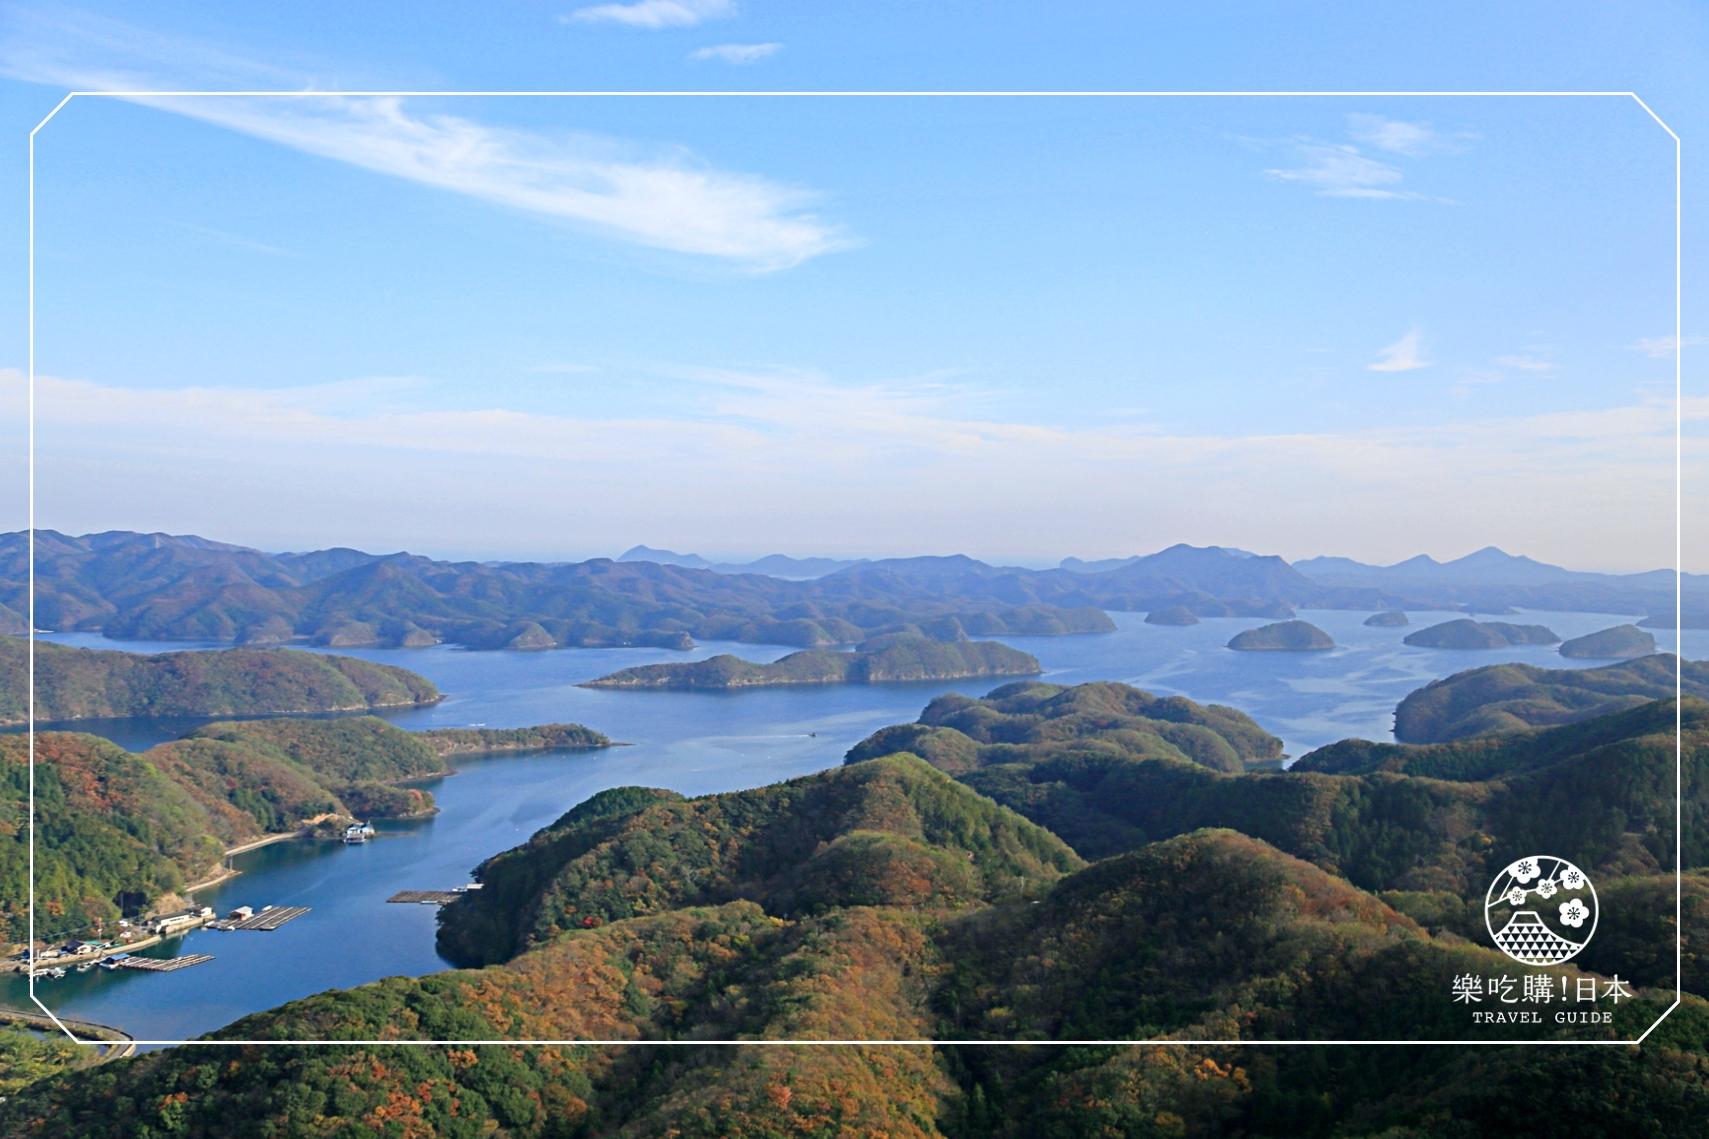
358, 833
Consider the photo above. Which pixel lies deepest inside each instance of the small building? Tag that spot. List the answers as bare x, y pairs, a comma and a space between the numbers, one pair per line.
168, 924
242, 913
357, 833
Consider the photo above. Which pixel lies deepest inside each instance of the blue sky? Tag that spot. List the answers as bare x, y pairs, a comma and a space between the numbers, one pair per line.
1018, 328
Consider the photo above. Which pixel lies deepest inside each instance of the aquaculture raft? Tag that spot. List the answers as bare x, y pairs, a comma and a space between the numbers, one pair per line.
165, 964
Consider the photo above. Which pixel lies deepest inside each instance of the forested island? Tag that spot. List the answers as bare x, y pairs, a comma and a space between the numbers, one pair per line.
1172, 615
1465, 633
1391, 619
885, 660
1283, 636
81, 684
1610, 644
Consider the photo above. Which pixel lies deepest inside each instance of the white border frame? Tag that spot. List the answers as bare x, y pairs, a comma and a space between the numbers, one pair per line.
1679, 559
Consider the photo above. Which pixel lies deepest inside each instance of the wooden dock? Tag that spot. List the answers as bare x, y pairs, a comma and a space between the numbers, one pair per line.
426, 897
165, 964
267, 920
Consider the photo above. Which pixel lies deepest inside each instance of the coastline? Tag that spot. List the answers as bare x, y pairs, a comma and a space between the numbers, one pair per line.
353, 710
115, 1043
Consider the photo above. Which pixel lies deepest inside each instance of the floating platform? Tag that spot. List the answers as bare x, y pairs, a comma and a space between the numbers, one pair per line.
165, 964
426, 897
267, 920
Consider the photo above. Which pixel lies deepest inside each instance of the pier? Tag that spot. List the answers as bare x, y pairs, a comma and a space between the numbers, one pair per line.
165, 964
426, 897
267, 920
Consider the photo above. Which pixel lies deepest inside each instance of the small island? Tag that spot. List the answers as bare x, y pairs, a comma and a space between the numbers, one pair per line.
1619, 643
1393, 619
882, 660
1283, 636
1172, 615
1465, 633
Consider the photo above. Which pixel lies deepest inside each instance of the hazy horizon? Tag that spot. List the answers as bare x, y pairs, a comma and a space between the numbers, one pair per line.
740, 555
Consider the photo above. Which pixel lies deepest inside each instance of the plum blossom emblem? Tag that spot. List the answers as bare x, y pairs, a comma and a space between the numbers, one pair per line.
1541, 910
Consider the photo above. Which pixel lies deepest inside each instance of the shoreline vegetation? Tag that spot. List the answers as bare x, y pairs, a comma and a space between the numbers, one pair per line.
153, 825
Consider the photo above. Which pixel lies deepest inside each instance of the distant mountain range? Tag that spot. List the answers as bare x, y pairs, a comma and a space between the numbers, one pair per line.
772, 565
169, 587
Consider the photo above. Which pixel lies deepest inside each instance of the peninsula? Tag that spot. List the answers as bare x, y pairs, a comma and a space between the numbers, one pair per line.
883, 660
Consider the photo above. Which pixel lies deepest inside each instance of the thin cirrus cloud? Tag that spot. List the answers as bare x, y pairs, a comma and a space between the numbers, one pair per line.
1346, 170
1663, 347
801, 458
1404, 355
657, 196
1398, 136
735, 53
654, 14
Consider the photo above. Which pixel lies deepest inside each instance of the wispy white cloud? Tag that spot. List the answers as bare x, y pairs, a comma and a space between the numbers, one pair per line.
736, 53
1397, 136
1345, 170
661, 197
1663, 347
1337, 170
653, 14
1404, 355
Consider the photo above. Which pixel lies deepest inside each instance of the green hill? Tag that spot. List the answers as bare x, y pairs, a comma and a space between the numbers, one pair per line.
1620, 642
79, 684
1464, 633
1348, 808
1172, 615
1513, 697
1390, 619
1283, 636
889, 659
1028, 722
878, 830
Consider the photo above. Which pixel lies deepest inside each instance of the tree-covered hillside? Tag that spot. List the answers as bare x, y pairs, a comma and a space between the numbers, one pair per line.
1512, 697
886, 901
1120, 950
80, 684
878, 832
116, 830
